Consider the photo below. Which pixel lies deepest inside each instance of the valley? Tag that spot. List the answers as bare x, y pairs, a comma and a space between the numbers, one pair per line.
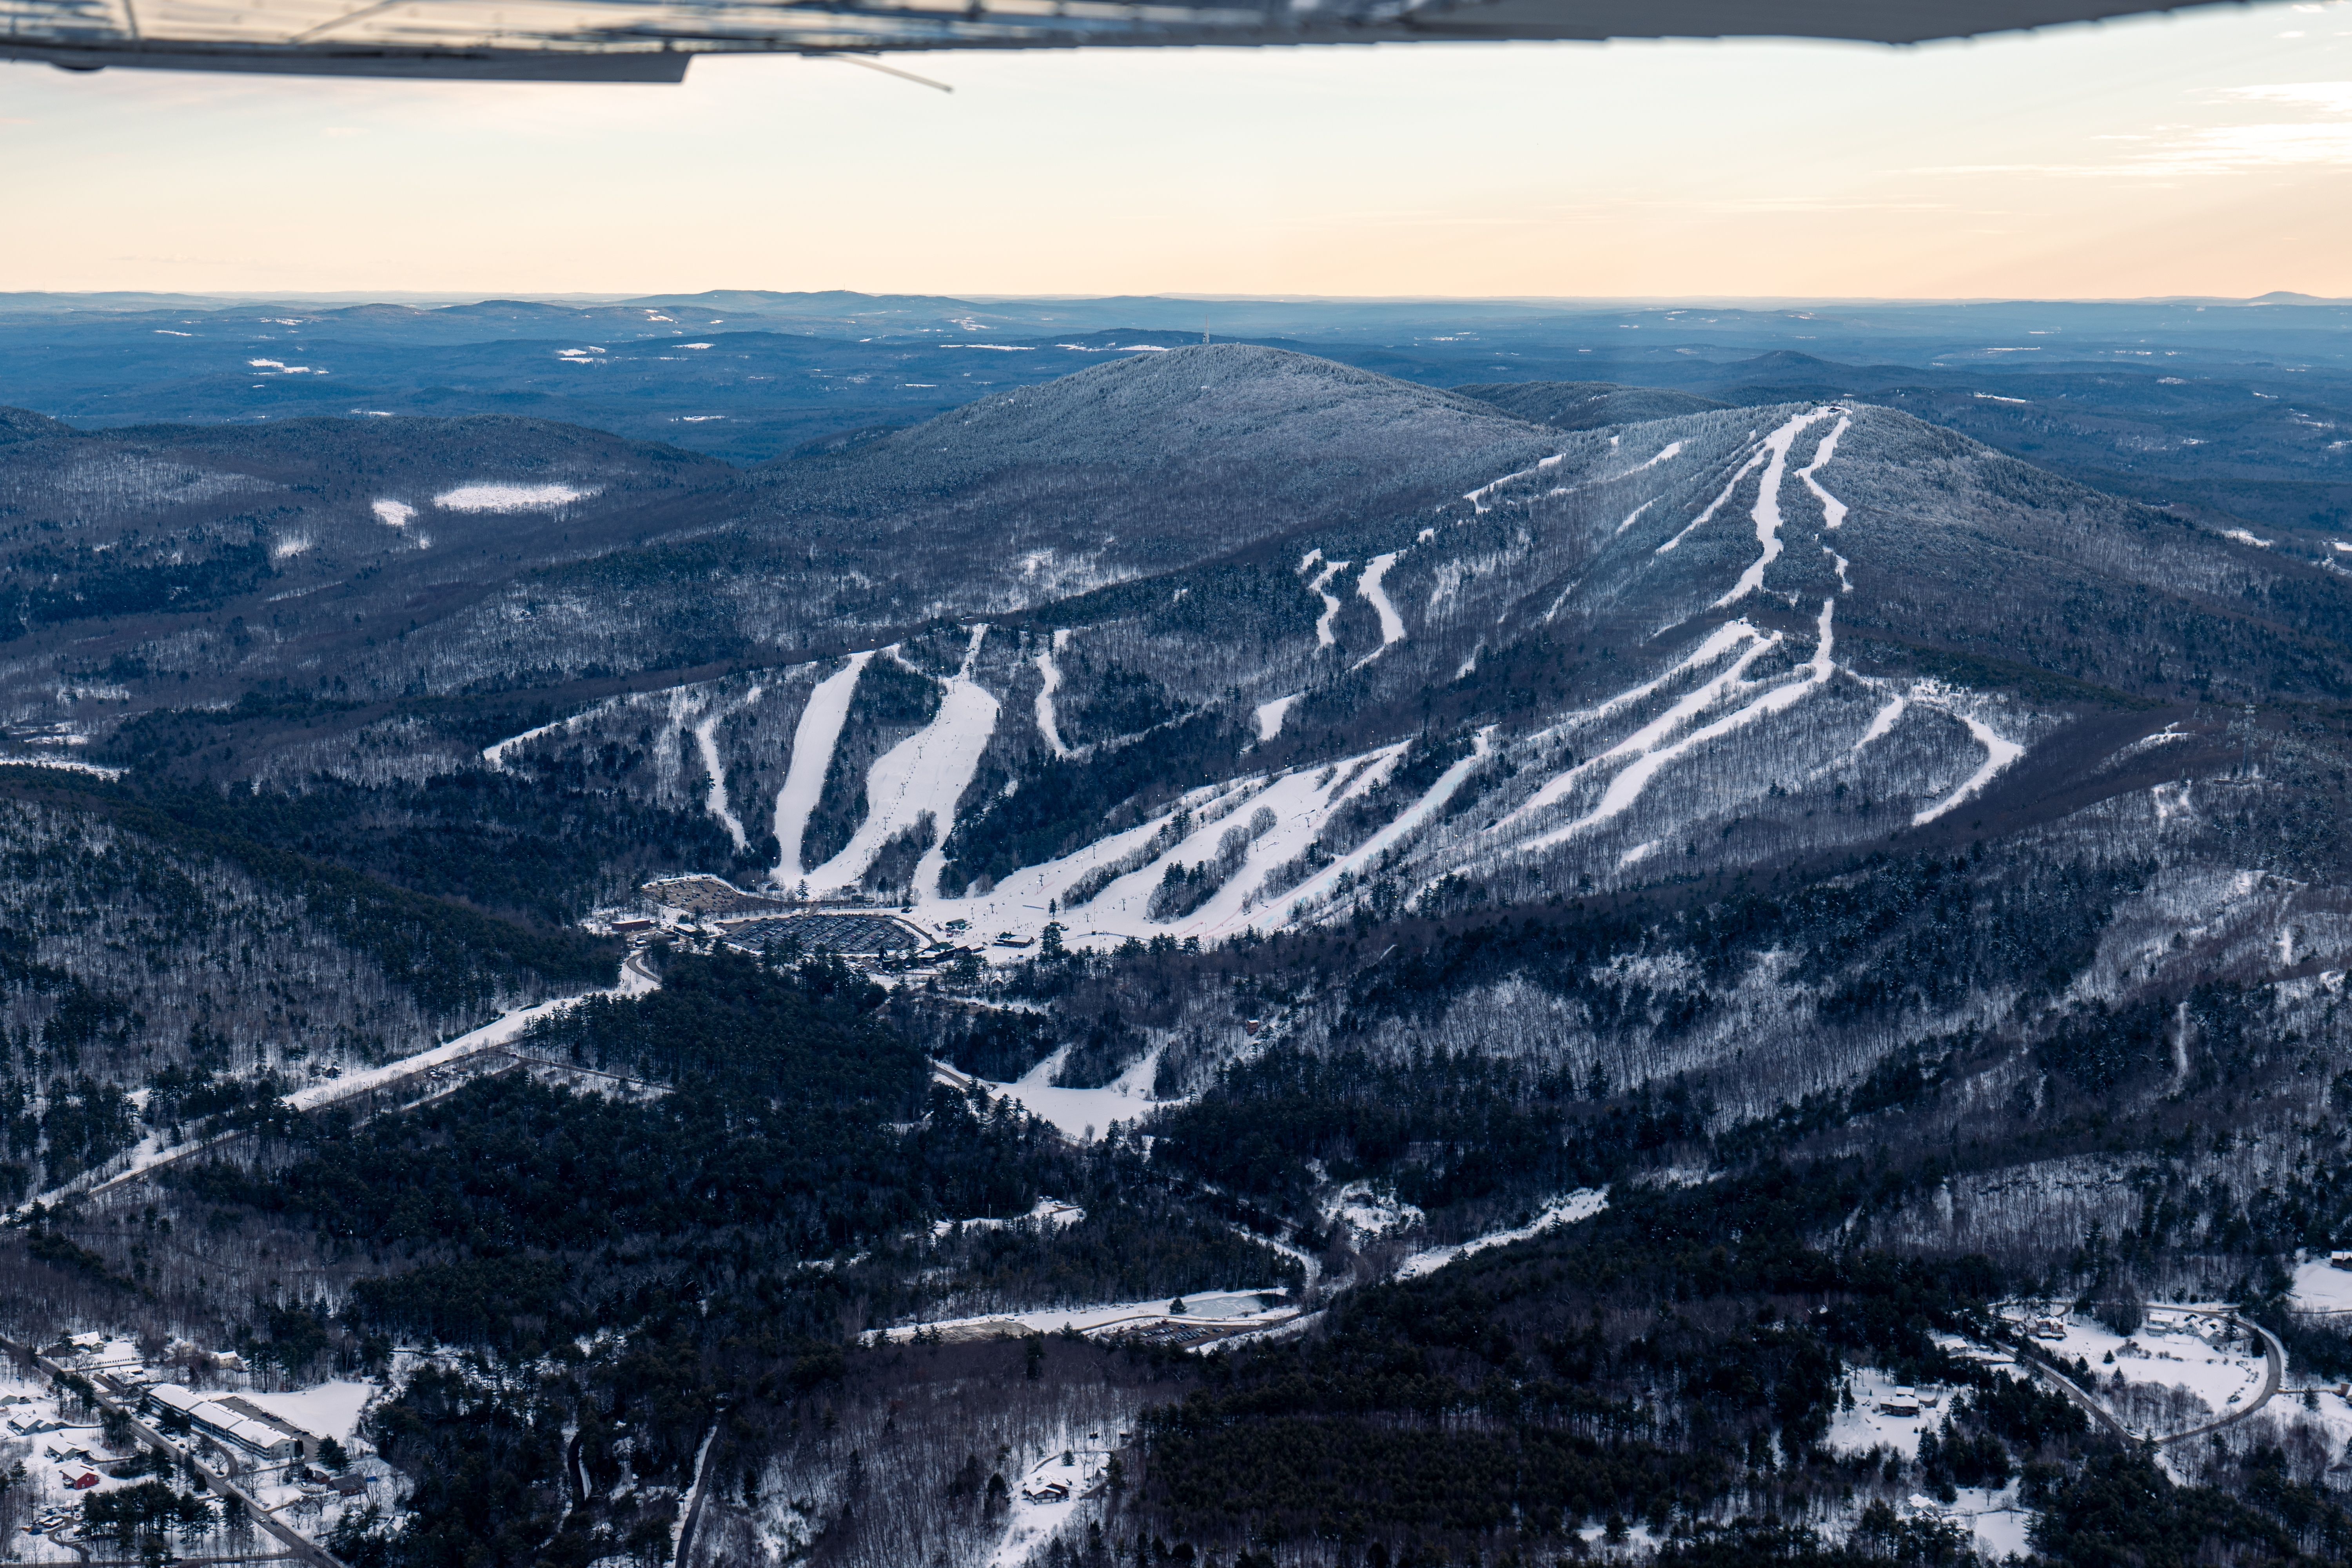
1224, 955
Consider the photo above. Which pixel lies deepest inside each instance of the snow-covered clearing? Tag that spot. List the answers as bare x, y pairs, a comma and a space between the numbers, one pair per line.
1999, 751
1666, 454
330, 1410
2173, 1349
2242, 537
1270, 715
2320, 1287
1832, 509
1391, 624
705, 741
927, 772
1049, 675
488, 496
1047, 1213
1580, 1205
1630, 518
1036, 1514
1866, 1426
1369, 1210
1083, 1114
813, 737
1767, 511
393, 513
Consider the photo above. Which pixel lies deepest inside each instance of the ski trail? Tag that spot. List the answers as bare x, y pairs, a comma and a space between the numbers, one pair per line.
1048, 725
1999, 751
1323, 635
1433, 800
1628, 786
1270, 715
1845, 584
927, 772
1882, 721
1832, 509
1672, 450
494, 753
1716, 505
1767, 512
1655, 733
1635, 516
1391, 624
1481, 499
814, 739
706, 741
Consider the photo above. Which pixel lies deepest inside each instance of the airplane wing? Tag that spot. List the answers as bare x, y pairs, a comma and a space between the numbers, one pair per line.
655, 40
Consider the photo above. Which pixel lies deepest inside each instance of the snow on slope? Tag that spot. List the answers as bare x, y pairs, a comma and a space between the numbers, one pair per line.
1716, 505
927, 772
1627, 787
1832, 509
1391, 624
1999, 751
1322, 580
1651, 735
1767, 511
1580, 1205
813, 742
1270, 715
706, 741
1050, 674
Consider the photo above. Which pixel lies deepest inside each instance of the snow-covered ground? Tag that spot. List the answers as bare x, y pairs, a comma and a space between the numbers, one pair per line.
1235, 1308
1767, 511
1084, 1113
1370, 1211
1047, 1212
927, 772
2172, 1348
814, 739
1049, 675
491, 496
1368, 586
1580, 1205
1270, 715
2321, 1287
330, 1410
1866, 1426
1035, 1514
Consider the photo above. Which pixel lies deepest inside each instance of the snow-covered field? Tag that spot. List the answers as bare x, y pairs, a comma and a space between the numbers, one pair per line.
1866, 1426
2173, 1349
1084, 1113
1580, 1205
330, 1410
2321, 1287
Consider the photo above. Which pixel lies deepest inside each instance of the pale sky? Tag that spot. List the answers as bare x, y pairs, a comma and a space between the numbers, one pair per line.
2209, 152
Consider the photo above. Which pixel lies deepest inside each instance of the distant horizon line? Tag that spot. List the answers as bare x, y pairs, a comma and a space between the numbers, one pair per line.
445, 298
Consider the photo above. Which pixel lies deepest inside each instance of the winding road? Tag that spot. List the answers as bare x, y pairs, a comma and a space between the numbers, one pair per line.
2273, 1357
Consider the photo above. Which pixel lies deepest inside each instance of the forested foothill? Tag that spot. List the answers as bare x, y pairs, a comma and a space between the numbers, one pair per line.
1720, 967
